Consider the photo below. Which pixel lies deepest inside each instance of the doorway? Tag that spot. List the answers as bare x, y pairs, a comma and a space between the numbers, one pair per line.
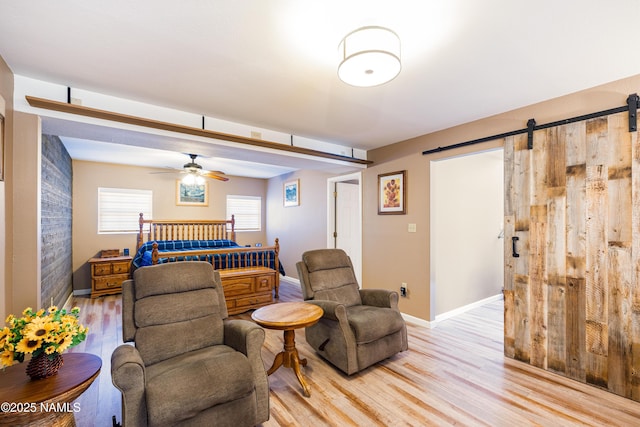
467, 244
344, 217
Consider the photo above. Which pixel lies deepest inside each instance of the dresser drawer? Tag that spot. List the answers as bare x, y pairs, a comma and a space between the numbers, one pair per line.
112, 281
264, 283
235, 287
120, 267
253, 300
101, 269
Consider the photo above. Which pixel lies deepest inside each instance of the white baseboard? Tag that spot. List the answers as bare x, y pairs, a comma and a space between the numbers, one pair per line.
291, 280
417, 321
465, 308
78, 292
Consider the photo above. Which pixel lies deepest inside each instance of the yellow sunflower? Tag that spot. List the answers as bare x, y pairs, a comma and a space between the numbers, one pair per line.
53, 333
28, 346
68, 320
39, 328
50, 350
26, 311
5, 334
10, 319
6, 358
52, 309
64, 341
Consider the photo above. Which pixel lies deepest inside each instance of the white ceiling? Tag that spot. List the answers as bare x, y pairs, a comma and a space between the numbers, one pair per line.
272, 63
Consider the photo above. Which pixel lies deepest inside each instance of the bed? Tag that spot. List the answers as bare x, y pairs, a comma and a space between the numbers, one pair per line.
250, 274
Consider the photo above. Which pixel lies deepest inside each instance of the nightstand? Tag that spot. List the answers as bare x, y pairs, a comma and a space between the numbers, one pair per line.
107, 274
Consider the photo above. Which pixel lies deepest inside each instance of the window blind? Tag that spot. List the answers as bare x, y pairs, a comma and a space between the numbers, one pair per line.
247, 211
119, 209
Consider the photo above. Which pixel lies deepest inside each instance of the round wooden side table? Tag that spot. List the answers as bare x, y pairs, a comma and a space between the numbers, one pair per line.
287, 317
48, 401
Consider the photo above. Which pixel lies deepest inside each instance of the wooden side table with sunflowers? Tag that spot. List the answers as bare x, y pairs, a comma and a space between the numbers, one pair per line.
43, 393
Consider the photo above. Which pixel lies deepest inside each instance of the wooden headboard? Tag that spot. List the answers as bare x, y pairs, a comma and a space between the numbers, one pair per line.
186, 230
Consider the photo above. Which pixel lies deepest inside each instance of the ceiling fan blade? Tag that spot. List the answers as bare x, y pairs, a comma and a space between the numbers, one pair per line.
215, 175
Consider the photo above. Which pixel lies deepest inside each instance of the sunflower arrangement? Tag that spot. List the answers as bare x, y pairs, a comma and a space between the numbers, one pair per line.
45, 332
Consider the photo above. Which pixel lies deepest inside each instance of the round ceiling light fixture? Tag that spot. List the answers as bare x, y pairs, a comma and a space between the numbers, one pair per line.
370, 56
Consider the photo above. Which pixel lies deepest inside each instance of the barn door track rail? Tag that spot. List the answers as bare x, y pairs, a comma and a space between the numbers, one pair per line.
632, 106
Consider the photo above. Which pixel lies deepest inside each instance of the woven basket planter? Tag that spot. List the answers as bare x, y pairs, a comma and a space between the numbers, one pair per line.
43, 367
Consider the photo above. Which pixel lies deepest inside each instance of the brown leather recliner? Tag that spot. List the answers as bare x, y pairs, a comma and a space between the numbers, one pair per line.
190, 364
359, 327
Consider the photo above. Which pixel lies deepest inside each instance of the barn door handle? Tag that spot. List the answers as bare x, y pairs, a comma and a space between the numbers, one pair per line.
514, 239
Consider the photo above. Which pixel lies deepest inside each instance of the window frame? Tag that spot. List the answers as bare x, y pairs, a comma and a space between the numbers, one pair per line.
130, 226
239, 220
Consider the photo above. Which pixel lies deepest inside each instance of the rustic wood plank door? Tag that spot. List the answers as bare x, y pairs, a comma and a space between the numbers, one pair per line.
572, 252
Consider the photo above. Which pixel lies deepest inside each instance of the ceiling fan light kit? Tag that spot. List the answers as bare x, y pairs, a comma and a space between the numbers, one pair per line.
195, 175
370, 56
192, 179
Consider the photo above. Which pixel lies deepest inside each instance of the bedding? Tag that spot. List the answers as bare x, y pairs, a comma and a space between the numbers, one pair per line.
220, 258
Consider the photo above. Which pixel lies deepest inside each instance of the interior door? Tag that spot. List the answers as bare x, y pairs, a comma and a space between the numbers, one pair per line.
348, 224
572, 258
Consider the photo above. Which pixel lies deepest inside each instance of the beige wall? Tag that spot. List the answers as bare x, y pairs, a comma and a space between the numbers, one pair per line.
25, 186
404, 257
299, 228
6, 109
88, 176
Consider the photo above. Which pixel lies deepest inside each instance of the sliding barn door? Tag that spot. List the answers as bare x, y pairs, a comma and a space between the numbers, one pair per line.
572, 252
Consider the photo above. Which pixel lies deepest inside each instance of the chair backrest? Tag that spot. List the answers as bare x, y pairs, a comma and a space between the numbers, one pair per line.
327, 274
176, 307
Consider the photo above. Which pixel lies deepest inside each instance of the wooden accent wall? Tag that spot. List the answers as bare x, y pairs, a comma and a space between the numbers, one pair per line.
55, 221
572, 300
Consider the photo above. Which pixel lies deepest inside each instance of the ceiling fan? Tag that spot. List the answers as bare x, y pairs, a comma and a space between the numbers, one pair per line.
194, 174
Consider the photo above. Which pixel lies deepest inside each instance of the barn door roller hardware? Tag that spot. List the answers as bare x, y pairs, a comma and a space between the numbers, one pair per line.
633, 103
632, 106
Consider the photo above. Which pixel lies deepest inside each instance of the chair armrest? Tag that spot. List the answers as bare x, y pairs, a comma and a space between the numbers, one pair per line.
379, 298
247, 337
128, 376
243, 336
332, 310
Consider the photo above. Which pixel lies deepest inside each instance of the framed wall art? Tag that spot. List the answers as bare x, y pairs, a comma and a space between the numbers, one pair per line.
392, 193
291, 193
192, 195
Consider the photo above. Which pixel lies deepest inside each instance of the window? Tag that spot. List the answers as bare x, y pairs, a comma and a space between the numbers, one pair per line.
247, 211
119, 209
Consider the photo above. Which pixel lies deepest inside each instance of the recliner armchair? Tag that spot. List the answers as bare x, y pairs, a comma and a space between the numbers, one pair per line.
360, 327
191, 365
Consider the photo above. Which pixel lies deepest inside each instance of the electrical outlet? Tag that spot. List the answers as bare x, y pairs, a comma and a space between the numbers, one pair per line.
403, 290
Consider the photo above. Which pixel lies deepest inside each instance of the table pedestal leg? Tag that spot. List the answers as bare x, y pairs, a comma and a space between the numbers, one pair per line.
289, 359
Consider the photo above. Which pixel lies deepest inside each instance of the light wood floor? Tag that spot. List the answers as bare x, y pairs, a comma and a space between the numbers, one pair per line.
454, 374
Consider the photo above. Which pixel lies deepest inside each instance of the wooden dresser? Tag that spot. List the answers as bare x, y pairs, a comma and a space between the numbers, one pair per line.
247, 288
107, 274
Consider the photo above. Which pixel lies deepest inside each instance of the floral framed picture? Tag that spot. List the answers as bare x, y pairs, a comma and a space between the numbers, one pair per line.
291, 193
192, 195
392, 193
